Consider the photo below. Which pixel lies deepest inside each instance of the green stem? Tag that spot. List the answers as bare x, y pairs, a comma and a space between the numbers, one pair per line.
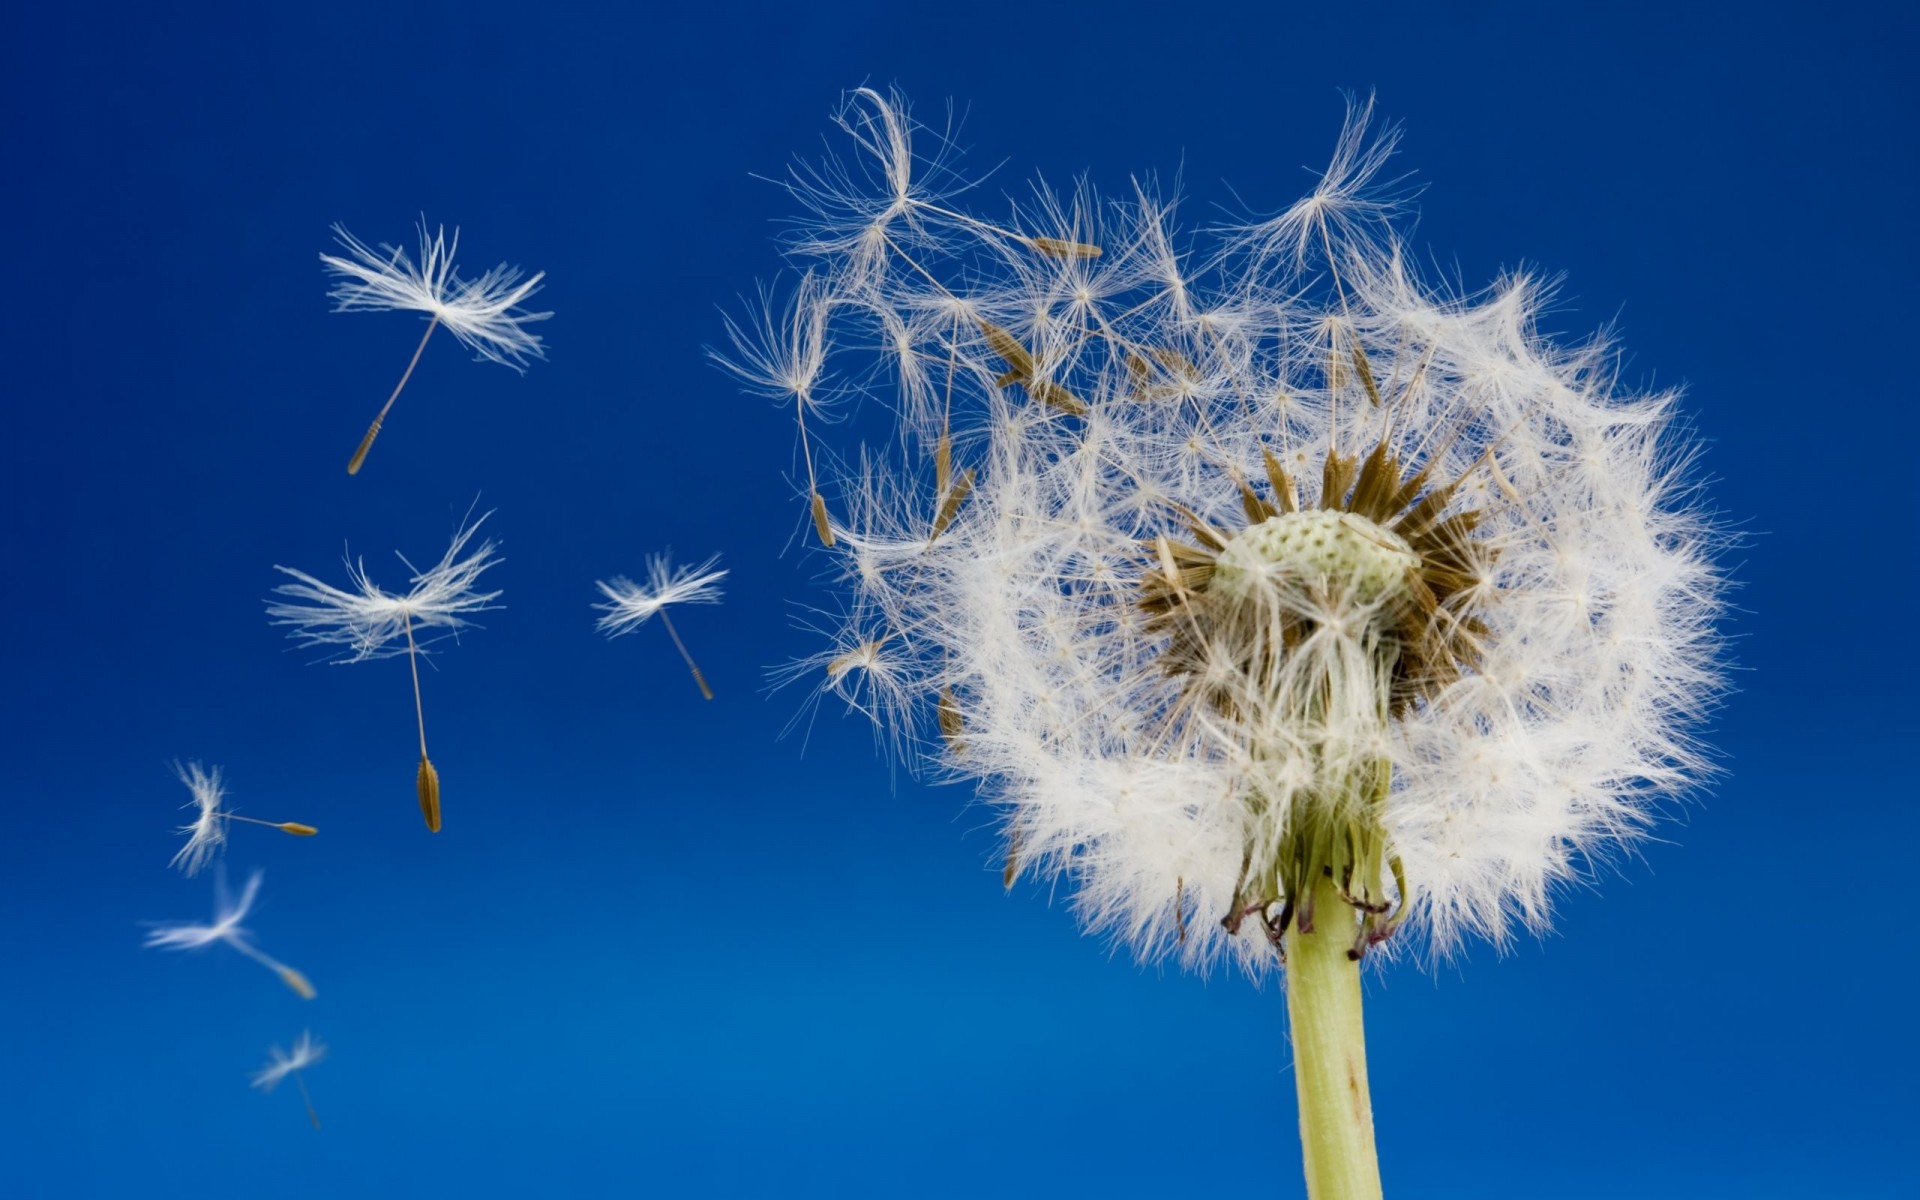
1330, 1052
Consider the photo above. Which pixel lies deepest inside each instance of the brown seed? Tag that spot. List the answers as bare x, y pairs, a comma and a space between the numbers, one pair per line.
1055, 396
1336, 479
820, 525
428, 785
297, 982
366, 444
1373, 492
1282, 485
1176, 362
1061, 248
296, 827
1008, 347
953, 726
942, 462
1257, 510
951, 505
1365, 368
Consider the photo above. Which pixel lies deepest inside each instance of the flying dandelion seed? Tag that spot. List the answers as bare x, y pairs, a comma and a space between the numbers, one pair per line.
226, 927
208, 831
484, 313
1279, 599
863, 668
304, 1054
630, 605
781, 355
369, 623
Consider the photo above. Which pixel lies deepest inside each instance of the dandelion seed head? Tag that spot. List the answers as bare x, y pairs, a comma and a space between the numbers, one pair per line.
1262, 537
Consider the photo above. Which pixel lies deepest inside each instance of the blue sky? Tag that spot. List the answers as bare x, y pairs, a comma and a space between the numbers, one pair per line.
659, 950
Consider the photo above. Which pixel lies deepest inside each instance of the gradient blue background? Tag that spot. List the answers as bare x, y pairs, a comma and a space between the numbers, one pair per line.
658, 951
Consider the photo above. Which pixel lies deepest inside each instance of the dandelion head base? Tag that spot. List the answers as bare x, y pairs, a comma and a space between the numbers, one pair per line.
1310, 631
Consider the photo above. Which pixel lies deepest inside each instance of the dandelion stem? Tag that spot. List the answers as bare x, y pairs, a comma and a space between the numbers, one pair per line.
682, 647
373, 430
1330, 1052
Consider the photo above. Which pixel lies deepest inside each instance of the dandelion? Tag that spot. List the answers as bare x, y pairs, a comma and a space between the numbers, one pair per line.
630, 605
226, 927
1289, 606
208, 831
369, 623
484, 313
304, 1054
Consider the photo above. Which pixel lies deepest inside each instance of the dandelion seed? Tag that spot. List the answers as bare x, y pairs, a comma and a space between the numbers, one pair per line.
865, 669
781, 356
1054, 396
821, 525
950, 504
370, 623
1062, 248
483, 313
942, 462
1021, 368
953, 722
208, 832
304, 1054
1365, 369
226, 927
631, 605
1348, 604
1019, 363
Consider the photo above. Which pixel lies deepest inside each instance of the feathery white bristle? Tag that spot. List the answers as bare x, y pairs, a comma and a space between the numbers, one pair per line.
207, 832
484, 313
280, 1064
371, 623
